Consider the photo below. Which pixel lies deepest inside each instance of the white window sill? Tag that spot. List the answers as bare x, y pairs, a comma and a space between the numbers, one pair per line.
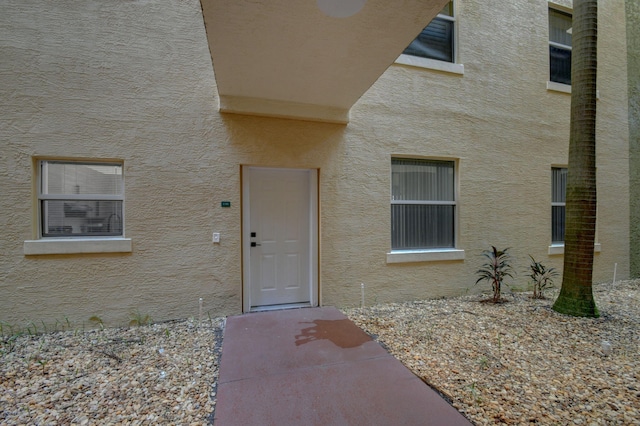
558, 87
432, 64
559, 248
77, 246
564, 88
406, 256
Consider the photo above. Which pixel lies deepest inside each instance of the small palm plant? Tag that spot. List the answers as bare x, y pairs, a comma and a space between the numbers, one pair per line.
541, 277
495, 270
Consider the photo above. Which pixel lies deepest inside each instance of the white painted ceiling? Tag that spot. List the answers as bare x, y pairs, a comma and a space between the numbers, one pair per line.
306, 59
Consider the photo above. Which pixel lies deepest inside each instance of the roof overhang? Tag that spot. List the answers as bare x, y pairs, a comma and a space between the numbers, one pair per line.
310, 59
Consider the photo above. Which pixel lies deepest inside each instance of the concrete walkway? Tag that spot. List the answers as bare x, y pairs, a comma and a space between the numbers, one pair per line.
314, 366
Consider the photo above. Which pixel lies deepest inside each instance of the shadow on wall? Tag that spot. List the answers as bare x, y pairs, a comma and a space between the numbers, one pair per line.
282, 140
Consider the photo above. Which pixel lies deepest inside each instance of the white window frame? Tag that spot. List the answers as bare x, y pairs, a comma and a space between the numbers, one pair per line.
434, 64
431, 254
554, 85
70, 244
556, 204
557, 247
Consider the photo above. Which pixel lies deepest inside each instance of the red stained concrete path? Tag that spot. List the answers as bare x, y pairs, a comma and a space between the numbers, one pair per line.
314, 366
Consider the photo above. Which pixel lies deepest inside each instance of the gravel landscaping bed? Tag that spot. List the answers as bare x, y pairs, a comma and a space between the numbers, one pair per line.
520, 362
514, 363
154, 374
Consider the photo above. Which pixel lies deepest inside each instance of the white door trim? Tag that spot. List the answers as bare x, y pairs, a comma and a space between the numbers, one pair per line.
246, 238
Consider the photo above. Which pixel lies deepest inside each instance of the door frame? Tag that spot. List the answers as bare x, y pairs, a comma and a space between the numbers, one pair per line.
313, 237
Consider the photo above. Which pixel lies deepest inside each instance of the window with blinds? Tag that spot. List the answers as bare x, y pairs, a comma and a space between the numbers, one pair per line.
436, 41
423, 204
80, 199
560, 29
558, 200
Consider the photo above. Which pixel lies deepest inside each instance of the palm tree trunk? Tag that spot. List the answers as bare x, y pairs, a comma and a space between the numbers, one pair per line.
633, 84
576, 295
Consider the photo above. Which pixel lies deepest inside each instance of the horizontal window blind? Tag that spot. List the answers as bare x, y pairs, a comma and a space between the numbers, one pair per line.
558, 200
423, 204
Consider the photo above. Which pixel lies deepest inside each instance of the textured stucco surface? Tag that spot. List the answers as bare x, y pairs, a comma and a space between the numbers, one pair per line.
633, 72
134, 81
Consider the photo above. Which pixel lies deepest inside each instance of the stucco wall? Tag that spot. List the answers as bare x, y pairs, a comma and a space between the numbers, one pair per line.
124, 80
507, 130
134, 81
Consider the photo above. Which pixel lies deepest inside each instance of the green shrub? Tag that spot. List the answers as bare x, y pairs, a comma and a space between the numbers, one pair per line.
495, 270
541, 277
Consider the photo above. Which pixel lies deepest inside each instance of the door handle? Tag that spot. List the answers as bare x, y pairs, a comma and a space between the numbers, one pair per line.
253, 244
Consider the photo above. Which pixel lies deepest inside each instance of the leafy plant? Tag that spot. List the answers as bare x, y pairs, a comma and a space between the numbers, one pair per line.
495, 270
541, 277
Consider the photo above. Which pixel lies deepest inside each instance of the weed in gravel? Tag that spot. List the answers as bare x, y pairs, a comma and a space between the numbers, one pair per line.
97, 321
43, 363
139, 319
9, 344
6, 330
32, 328
484, 362
475, 392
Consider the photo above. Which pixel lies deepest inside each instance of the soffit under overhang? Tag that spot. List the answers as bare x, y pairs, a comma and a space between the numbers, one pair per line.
289, 58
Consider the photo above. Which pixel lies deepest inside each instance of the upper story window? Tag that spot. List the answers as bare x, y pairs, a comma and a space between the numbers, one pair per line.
560, 28
436, 41
423, 204
558, 202
79, 198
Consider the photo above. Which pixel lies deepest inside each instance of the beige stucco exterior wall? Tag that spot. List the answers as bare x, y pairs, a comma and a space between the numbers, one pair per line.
134, 81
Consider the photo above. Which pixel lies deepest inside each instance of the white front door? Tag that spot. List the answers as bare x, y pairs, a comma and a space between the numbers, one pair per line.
279, 237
